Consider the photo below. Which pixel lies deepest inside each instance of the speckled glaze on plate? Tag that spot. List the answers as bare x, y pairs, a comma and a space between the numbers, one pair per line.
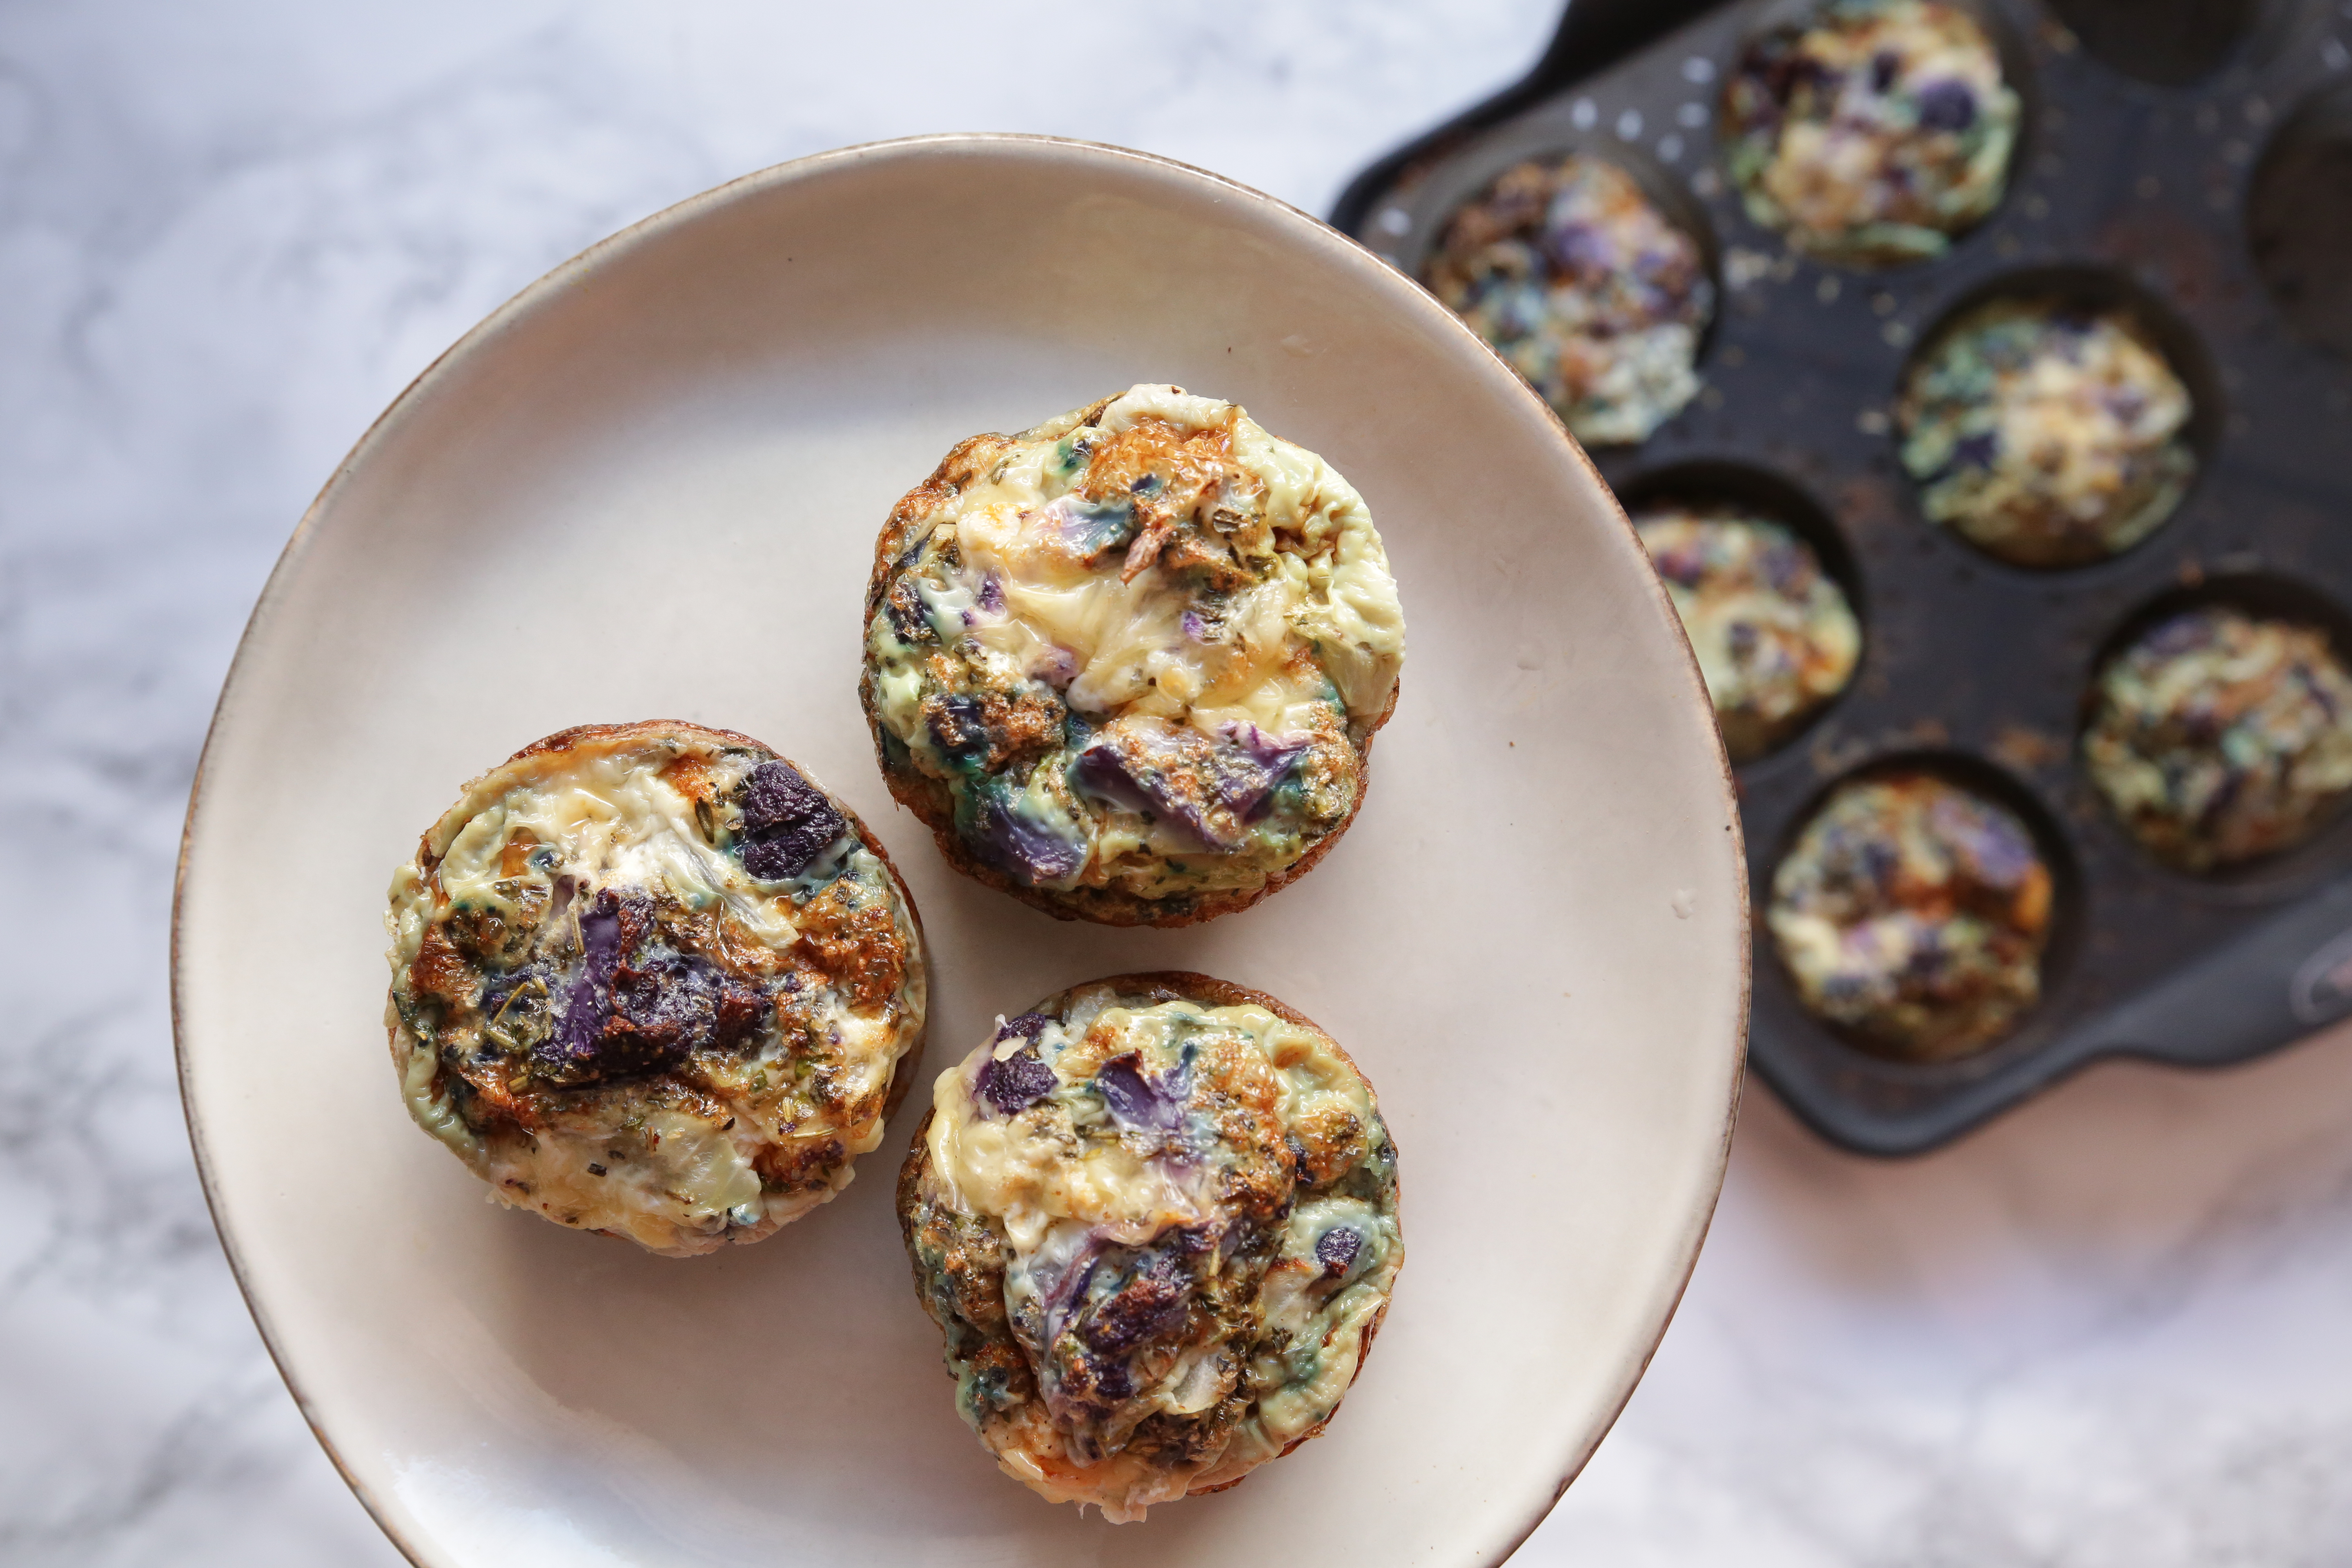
657, 477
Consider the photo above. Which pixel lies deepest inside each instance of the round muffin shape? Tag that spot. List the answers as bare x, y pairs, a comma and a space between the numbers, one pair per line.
1774, 635
2047, 434
1912, 915
1584, 286
2217, 737
1156, 1218
1127, 666
1874, 134
651, 980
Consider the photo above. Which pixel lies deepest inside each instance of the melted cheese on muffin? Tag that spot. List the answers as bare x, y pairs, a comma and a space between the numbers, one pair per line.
648, 979
1158, 1235
1142, 649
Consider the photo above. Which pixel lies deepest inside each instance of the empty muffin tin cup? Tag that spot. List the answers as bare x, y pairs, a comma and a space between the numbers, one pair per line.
2169, 43
2299, 219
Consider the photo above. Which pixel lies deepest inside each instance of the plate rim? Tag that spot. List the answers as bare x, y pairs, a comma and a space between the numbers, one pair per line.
477, 337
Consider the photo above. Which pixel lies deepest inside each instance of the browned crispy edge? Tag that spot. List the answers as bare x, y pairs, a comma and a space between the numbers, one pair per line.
934, 806
1155, 986
902, 1074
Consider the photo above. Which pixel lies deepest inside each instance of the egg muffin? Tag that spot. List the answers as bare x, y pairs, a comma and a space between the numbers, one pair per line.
1874, 134
1128, 665
1586, 288
1774, 635
2218, 737
1156, 1218
2047, 434
1912, 915
651, 980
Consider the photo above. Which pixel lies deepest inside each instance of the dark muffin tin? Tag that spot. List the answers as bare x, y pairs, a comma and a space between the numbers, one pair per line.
2197, 166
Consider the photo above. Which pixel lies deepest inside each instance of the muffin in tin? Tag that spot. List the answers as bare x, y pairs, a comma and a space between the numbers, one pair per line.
651, 980
1128, 665
1912, 915
1156, 1218
1773, 632
2217, 737
1873, 134
2045, 433
1590, 293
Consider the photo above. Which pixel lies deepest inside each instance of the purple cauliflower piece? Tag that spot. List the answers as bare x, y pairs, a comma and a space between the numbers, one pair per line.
1016, 1082
1336, 1250
788, 824
1135, 1098
1946, 105
638, 1007
1011, 842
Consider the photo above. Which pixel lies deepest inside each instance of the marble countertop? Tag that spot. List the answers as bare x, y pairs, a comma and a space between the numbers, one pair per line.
2110, 1329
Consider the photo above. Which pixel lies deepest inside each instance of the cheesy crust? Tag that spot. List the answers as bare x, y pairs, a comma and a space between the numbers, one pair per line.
1874, 135
650, 980
1128, 665
1156, 1219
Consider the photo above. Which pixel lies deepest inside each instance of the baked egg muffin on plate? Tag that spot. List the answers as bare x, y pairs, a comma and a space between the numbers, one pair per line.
651, 980
1127, 665
1156, 1218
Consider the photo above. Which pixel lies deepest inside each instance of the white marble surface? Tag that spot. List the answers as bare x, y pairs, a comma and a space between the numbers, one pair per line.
2109, 1330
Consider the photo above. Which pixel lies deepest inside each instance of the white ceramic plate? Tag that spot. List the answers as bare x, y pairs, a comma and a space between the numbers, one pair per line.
649, 487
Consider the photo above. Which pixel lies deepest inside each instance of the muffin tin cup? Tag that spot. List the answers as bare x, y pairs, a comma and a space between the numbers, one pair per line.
2167, 43
2124, 190
2299, 217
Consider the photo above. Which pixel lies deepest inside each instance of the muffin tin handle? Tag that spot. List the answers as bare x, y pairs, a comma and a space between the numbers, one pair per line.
2277, 983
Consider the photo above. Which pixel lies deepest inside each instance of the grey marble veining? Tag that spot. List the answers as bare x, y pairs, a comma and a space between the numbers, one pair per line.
2108, 1330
